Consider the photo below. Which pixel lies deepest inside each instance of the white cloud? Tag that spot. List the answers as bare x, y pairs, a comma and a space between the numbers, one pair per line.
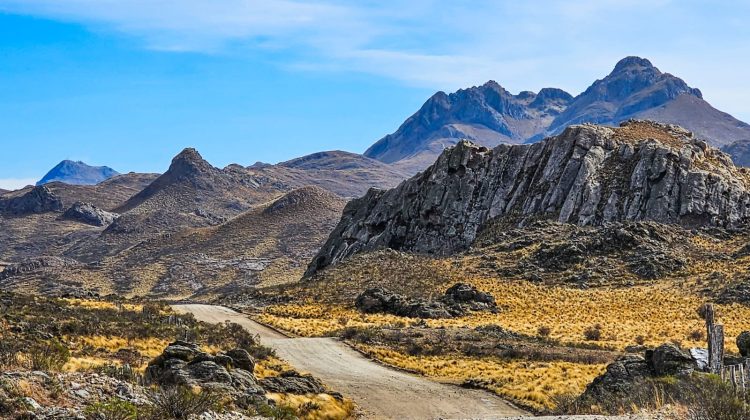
432, 43
16, 183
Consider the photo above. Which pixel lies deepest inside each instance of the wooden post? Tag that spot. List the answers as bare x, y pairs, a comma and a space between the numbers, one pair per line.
715, 341
716, 349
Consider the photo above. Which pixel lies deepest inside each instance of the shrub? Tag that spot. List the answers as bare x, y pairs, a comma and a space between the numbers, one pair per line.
544, 331
364, 335
112, 409
593, 333
281, 412
181, 403
640, 340
49, 355
711, 398
697, 335
9, 354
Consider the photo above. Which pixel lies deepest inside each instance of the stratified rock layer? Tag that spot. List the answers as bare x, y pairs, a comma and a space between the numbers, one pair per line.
588, 175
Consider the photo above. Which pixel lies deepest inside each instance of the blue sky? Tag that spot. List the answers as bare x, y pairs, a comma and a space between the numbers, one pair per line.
129, 83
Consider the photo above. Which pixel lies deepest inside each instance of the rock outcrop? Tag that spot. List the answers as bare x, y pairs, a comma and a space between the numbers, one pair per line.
292, 382
37, 200
457, 301
184, 364
631, 370
588, 175
89, 214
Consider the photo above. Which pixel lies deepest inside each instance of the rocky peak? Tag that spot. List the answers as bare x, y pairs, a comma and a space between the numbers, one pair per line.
189, 163
632, 63
587, 175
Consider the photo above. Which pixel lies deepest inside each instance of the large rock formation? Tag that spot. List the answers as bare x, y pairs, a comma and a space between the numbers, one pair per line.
588, 175
37, 200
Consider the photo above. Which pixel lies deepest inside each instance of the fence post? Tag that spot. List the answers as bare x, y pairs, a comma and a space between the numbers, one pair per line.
715, 341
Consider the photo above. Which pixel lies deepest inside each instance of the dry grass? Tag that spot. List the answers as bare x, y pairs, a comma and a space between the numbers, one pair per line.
101, 304
269, 367
659, 313
532, 384
316, 406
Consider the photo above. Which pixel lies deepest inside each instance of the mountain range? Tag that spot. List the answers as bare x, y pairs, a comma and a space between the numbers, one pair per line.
490, 115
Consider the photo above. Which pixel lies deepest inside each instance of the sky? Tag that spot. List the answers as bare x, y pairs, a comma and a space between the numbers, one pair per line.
130, 83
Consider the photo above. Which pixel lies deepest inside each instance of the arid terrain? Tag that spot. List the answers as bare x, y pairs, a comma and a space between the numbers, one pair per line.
498, 256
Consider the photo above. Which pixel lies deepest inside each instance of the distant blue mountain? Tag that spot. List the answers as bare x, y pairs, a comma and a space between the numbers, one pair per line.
77, 173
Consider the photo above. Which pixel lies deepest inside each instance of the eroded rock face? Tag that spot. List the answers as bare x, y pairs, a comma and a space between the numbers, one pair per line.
89, 214
38, 200
588, 175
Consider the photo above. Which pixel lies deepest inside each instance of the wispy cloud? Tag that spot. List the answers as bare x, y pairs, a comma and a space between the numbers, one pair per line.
438, 44
15, 183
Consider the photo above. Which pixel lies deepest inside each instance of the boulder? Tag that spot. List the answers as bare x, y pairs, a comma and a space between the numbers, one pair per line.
241, 359
458, 299
292, 382
668, 359
89, 214
619, 378
743, 343
184, 364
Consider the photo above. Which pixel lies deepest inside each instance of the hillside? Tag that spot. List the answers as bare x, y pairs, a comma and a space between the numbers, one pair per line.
77, 173
489, 115
270, 243
587, 175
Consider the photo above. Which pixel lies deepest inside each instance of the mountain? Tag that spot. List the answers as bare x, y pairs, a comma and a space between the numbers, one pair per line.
77, 173
740, 152
489, 115
587, 175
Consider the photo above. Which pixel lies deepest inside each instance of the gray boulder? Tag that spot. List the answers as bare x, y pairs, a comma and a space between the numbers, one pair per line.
184, 364
668, 359
292, 382
743, 343
89, 214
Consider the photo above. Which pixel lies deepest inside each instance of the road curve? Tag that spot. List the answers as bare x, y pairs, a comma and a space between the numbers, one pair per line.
380, 392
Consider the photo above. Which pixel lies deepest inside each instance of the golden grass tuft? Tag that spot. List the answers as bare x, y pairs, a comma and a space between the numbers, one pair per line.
316, 406
532, 384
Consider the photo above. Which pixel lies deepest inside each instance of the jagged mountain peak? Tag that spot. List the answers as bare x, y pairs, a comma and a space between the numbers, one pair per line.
490, 115
190, 163
77, 173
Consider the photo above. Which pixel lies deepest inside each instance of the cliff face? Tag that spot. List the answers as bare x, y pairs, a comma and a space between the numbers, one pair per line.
587, 175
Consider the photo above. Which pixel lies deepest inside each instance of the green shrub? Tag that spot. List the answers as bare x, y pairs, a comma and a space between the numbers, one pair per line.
50, 355
112, 409
181, 403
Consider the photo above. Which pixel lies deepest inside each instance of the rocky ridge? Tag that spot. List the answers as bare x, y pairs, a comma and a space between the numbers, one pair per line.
587, 175
489, 115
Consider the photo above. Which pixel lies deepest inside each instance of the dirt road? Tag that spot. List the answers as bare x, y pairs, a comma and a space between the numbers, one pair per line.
382, 393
